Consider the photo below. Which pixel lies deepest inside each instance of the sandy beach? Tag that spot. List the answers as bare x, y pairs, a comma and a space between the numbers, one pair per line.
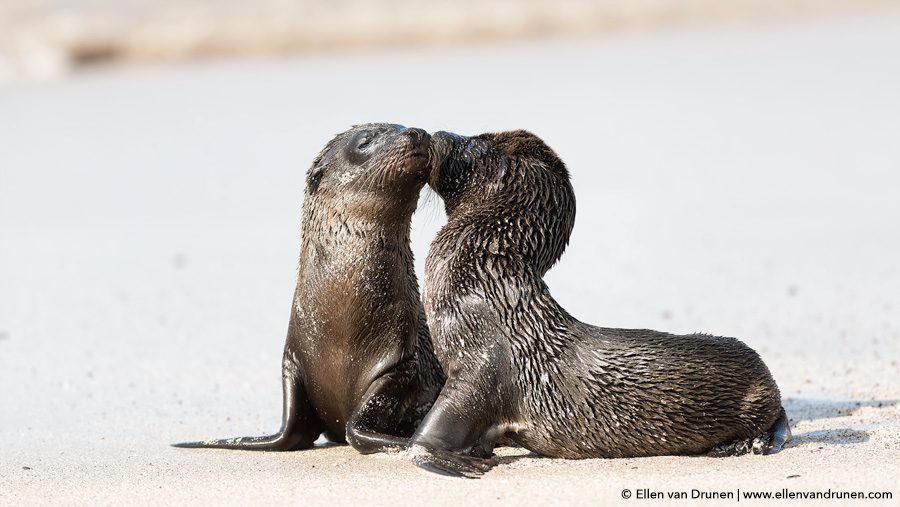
740, 180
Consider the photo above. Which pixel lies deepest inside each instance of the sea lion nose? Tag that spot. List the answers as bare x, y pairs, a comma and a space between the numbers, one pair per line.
417, 136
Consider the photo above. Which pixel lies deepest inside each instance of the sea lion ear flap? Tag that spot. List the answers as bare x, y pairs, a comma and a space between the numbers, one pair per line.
313, 178
314, 175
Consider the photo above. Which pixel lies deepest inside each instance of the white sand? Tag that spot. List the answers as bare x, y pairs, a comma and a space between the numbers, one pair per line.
735, 181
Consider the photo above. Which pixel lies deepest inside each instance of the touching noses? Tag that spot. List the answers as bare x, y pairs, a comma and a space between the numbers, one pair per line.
417, 136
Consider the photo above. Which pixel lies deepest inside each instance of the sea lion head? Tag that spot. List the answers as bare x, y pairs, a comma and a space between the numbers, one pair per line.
373, 169
510, 188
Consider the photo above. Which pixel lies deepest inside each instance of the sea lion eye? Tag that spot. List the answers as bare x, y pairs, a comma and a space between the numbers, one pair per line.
360, 147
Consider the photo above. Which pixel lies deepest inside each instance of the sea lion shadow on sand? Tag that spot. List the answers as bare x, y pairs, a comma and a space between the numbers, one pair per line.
840, 436
811, 409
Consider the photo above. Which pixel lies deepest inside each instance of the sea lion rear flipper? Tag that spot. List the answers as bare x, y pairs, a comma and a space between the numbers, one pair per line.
780, 435
299, 426
768, 442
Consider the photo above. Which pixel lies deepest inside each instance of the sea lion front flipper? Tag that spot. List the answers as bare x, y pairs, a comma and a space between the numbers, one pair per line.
455, 429
299, 426
448, 463
381, 409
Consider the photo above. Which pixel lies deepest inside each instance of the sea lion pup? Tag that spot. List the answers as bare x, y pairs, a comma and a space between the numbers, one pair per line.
358, 363
519, 367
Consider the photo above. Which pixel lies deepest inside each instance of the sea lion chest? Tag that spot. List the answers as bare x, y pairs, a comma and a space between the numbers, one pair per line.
353, 324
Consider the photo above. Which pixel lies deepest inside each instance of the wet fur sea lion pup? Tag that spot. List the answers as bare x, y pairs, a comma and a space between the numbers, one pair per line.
358, 362
519, 367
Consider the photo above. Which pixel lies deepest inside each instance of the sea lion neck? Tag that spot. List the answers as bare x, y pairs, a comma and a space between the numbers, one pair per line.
365, 210
519, 211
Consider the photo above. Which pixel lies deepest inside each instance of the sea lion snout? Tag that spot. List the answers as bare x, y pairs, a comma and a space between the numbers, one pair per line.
419, 142
443, 147
416, 136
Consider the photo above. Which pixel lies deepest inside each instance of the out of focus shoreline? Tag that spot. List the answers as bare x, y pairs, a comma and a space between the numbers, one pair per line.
48, 39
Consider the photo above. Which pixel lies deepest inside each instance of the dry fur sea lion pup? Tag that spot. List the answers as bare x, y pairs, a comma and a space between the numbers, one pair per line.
519, 367
358, 362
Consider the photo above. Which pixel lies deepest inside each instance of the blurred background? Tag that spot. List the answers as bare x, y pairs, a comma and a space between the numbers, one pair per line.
45, 39
736, 166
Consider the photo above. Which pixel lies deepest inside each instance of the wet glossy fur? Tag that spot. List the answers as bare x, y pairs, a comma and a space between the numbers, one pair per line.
520, 367
358, 363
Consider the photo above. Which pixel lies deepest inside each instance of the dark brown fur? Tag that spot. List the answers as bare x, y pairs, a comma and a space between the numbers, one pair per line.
358, 363
520, 367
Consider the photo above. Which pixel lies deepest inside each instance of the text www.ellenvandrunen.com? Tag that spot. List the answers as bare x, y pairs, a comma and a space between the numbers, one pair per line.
738, 495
